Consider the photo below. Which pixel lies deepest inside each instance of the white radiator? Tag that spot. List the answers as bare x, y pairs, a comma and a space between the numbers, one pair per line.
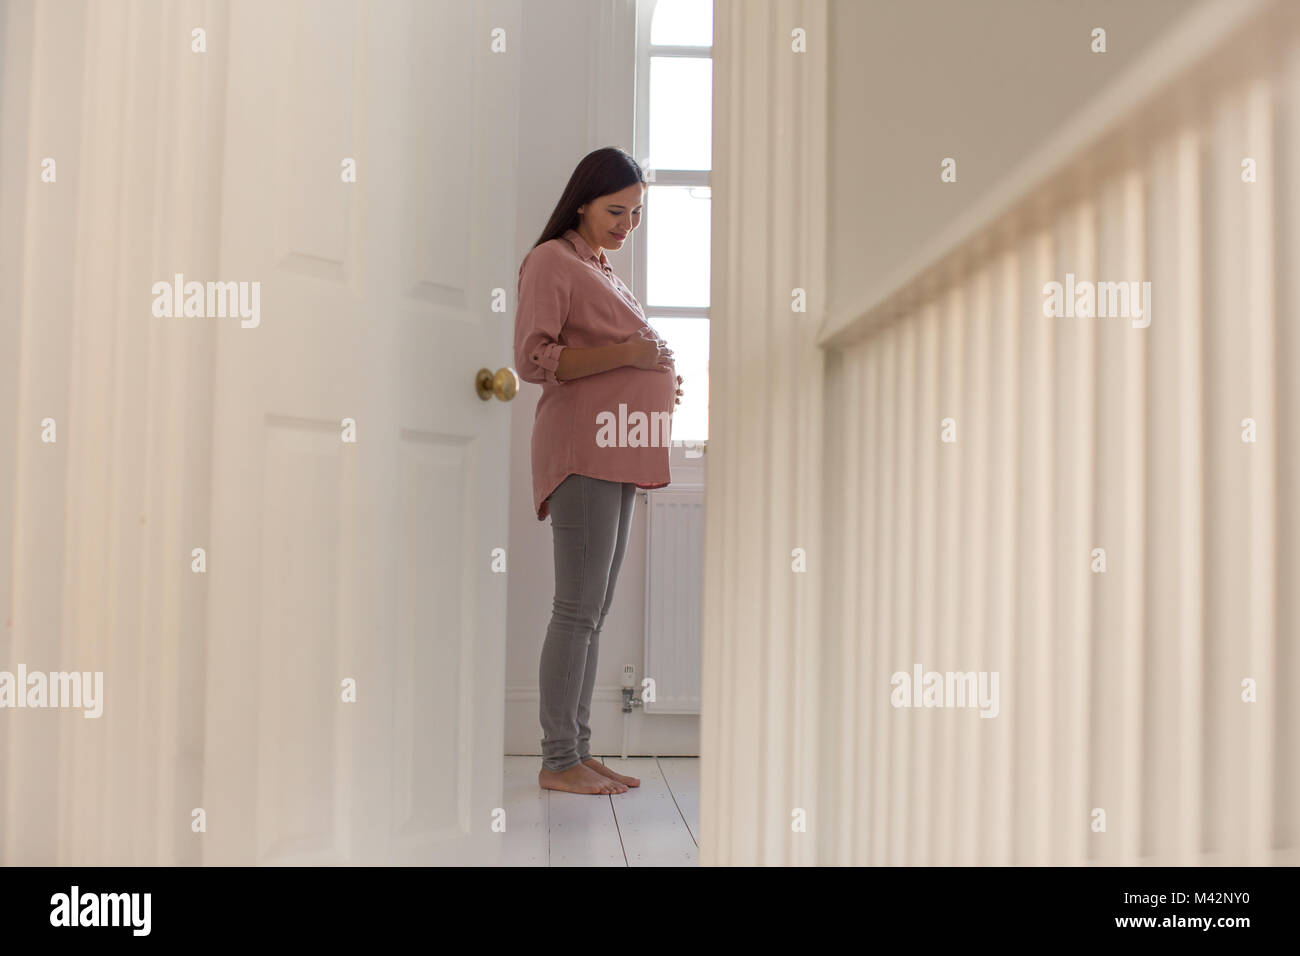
674, 570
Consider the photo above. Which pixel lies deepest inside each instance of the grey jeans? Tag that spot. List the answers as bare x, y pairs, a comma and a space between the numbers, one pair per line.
590, 520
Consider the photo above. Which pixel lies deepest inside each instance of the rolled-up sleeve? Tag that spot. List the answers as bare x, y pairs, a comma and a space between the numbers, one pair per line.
539, 317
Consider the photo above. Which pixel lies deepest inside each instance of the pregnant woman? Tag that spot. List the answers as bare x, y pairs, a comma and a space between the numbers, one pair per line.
609, 386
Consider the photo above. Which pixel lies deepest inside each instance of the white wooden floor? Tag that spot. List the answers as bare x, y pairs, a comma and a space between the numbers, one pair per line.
655, 824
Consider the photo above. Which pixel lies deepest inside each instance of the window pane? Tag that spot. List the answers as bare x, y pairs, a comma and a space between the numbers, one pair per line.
677, 226
683, 23
681, 112
689, 340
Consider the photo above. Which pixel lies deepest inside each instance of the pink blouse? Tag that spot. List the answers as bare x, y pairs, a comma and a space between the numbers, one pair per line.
613, 425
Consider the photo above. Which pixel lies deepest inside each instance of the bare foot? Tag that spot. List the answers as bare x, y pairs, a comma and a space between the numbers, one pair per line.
599, 767
577, 779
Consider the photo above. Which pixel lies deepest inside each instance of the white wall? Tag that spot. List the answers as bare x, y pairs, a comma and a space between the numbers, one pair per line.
984, 83
579, 69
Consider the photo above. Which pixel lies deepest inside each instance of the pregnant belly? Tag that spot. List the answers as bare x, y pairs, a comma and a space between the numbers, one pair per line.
631, 408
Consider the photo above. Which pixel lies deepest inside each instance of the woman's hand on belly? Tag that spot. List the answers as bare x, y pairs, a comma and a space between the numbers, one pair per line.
645, 351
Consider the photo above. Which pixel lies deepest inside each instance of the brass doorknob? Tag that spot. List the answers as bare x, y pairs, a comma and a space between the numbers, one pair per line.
504, 384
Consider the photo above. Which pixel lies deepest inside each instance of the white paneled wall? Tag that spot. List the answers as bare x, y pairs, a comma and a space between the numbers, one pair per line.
762, 761
103, 519
1120, 690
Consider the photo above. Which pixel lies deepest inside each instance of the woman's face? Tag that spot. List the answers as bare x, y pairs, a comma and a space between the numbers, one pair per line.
609, 220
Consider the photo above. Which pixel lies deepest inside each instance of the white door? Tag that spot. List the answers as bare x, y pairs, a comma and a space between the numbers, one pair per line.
335, 561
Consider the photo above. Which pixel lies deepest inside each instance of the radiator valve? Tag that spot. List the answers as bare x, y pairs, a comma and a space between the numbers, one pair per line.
630, 699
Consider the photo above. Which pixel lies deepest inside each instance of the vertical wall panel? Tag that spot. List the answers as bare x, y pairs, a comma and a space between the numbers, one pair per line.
1171, 664
1258, 300
779, 786
971, 658
1035, 646
1165, 434
893, 762
97, 520
948, 787
874, 621
1105, 590
996, 820
1075, 441
1187, 731
1286, 831
927, 594
904, 634
1116, 640
763, 667
853, 760
1228, 508
865, 673
1124, 697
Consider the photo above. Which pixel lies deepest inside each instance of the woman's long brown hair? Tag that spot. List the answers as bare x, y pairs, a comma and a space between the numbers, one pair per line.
601, 172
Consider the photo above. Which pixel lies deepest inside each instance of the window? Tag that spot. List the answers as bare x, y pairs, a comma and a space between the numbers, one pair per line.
674, 142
